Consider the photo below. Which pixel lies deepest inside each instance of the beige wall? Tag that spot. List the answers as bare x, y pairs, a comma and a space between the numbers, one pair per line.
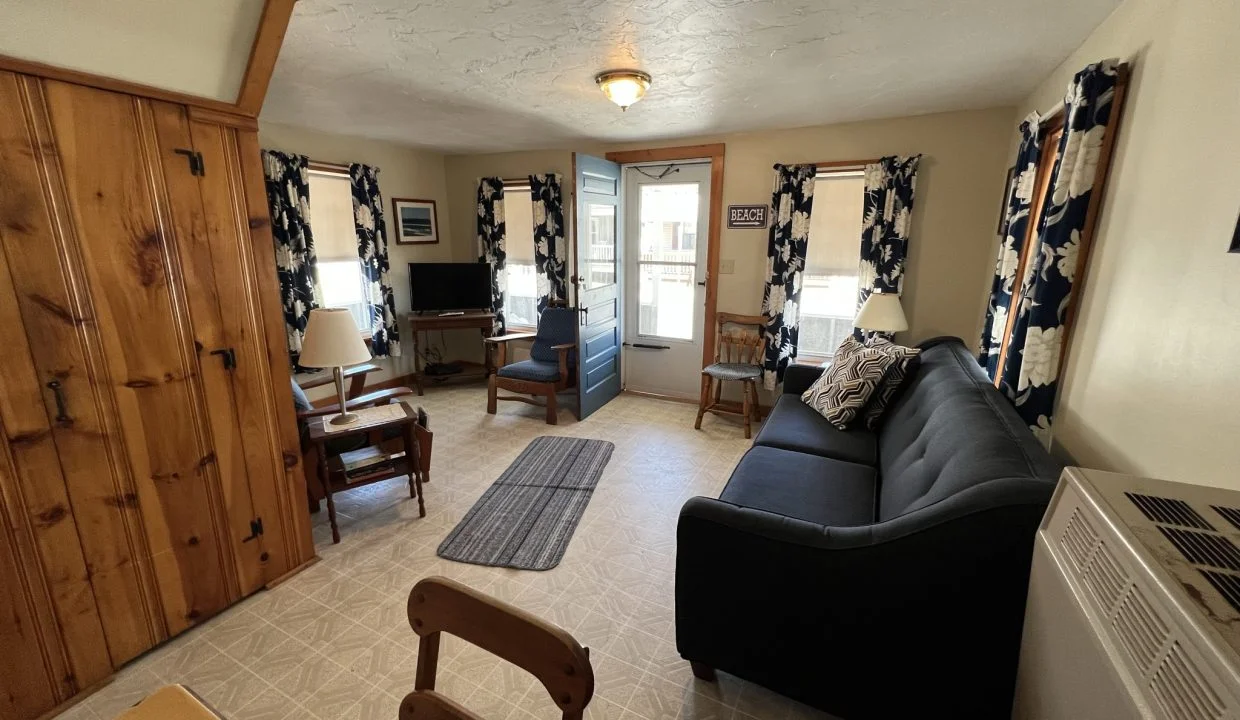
954, 218
1152, 379
198, 48
403, 172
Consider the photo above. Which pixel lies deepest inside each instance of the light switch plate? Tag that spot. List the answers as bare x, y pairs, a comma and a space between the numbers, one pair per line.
727, 267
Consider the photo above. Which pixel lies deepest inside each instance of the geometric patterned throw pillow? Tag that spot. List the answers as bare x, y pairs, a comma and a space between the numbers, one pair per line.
843, 389
904, 363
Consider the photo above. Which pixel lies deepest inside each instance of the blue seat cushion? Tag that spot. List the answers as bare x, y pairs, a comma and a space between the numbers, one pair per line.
793, 425
806, 487
534, 370
733, 371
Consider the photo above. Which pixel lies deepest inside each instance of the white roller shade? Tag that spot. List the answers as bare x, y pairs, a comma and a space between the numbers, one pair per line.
331, 217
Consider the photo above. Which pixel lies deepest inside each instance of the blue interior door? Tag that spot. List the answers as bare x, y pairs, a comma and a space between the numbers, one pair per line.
598, 281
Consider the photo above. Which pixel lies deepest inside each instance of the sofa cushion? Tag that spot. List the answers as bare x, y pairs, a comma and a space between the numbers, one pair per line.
793, 425
949, 431
806, 487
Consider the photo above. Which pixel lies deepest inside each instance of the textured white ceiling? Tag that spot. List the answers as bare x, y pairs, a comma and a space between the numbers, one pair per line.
198, 47
483, 75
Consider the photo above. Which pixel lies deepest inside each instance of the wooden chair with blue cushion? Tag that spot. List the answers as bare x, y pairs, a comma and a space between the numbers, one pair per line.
738, 358
550, 368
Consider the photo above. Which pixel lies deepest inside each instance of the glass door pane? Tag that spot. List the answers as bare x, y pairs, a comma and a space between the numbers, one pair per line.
602, 255
666, 304
667, 261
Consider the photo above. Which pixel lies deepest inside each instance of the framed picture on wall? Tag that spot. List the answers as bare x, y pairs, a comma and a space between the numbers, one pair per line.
1235, 239
416, 222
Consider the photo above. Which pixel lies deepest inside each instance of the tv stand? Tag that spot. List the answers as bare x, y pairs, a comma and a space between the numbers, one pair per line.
483, 321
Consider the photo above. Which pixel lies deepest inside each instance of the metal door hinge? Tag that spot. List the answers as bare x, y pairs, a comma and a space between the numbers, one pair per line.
256, 529
196, 164
229, 356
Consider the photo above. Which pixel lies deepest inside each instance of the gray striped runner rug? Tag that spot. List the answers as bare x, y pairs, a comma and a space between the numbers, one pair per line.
526, 518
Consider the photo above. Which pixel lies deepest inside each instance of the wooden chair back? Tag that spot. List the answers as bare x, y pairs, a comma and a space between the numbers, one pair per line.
739, 338
438, 605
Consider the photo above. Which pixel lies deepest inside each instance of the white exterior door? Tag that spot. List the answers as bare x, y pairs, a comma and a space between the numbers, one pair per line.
665, 277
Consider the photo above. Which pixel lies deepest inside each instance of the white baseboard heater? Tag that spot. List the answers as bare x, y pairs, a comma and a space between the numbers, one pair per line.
1134, 603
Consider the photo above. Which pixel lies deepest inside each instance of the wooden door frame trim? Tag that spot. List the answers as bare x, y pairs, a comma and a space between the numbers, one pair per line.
268, 38
715, 153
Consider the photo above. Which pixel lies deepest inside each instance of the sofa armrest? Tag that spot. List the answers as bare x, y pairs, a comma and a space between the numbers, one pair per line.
843, 602
798, 378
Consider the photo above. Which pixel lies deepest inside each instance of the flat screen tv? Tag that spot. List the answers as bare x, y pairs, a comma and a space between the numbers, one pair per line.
438, 287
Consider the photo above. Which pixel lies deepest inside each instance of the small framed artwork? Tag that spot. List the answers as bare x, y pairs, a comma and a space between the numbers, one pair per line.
416, 223
1008, 189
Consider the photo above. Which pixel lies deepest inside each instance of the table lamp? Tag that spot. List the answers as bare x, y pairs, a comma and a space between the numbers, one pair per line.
333, 340
882, 312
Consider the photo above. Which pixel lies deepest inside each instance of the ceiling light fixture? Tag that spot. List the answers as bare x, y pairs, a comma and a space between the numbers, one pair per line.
623, 87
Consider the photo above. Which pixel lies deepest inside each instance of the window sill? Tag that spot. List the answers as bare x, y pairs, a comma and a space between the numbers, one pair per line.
808, 359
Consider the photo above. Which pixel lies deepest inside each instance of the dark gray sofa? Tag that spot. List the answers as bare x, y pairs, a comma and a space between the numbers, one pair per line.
872, 574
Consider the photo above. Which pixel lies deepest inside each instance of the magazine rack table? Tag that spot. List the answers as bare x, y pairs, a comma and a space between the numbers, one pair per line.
372, 422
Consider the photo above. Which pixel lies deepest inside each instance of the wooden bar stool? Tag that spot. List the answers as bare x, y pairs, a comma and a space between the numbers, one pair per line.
738, 357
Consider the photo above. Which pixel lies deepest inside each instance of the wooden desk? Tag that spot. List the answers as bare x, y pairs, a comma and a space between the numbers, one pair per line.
331, 470
484, 321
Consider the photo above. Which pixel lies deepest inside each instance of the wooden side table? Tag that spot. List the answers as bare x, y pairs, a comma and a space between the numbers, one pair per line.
331, 470
483, 321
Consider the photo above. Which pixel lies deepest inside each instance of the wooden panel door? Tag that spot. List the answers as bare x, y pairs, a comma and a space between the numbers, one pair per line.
599, 277
260, 396
105, 148
58, 472
212, 242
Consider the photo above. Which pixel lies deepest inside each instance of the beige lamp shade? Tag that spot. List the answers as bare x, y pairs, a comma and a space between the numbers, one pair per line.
332, 340
882, 312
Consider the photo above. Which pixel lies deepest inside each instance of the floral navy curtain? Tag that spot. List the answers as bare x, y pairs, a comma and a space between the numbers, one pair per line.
1031, 366
491, 241
550, 254
791, 202
1016, 227
288, 196
372, 250
889, 187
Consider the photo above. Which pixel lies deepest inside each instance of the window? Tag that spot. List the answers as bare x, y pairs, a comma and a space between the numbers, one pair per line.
829, 283
341, 283
521, 298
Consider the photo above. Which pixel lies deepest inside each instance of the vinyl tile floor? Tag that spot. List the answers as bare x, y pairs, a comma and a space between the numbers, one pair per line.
333, 642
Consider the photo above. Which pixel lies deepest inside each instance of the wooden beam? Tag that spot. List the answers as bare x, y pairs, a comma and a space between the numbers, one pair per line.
267, 41
684, 152
77, 77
